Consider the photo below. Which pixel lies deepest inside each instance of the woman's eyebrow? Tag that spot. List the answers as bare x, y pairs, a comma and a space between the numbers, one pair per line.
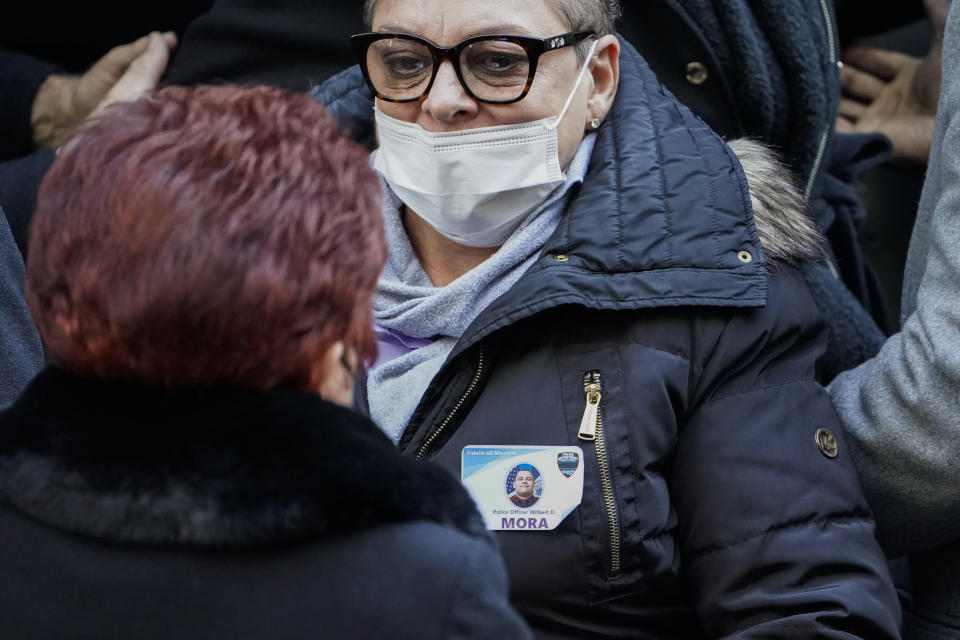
506, 28
495, 29
389, 28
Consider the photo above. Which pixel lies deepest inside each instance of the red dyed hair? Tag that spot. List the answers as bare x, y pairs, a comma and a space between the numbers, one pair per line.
210, 235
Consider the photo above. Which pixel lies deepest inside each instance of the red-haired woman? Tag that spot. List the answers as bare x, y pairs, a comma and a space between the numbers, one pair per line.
201, 270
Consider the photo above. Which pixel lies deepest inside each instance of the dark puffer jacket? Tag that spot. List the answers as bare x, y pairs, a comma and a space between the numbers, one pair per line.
128, 512
715, 512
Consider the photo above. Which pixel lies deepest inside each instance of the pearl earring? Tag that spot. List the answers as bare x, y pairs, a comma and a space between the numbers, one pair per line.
595, 123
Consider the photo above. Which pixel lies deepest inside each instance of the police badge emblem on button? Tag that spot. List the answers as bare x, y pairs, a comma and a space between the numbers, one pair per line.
568, 462
523, 488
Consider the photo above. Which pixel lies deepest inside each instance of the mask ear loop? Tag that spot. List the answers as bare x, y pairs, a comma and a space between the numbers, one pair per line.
583, 72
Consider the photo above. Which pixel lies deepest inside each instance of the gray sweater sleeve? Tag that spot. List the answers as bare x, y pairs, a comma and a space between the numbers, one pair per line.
901, 409
21, 356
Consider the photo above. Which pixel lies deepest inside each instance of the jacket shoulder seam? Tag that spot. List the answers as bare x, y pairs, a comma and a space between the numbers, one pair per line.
770, 387
671, 352
855, 515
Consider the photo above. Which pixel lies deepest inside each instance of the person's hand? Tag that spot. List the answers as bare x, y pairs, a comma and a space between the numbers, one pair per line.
124, 73
892, 93
143, 74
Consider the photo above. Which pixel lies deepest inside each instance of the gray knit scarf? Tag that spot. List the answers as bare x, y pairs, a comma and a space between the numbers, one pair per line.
408, 302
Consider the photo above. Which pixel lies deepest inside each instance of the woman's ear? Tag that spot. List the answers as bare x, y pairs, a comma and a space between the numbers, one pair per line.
335, 375
605, 69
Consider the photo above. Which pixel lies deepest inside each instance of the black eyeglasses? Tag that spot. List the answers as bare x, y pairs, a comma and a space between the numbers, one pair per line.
499, 69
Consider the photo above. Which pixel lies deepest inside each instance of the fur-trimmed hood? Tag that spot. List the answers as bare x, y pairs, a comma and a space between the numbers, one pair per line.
210, 468
787, 234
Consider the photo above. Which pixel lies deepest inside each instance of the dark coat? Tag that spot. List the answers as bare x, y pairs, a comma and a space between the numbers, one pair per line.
21, 355
284, 43
73, 36
722, 517
769, 71
136, 513
20, 78
21, 170
19, 184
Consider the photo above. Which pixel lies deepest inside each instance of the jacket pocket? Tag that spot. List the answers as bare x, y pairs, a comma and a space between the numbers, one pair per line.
626, 519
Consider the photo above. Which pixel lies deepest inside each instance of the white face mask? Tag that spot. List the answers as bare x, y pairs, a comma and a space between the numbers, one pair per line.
477, 185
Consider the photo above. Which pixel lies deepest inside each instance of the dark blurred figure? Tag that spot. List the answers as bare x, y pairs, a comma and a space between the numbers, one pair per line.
858, 19
72, 36
901, 409
769, 70
202, 268
41, 106
50, 50
291, 44
67, 39
891, 84
21, 356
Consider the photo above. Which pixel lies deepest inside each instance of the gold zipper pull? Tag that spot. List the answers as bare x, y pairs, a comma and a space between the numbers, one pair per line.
591, 412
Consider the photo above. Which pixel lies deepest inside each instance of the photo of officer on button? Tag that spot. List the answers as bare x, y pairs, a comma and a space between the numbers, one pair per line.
522, 486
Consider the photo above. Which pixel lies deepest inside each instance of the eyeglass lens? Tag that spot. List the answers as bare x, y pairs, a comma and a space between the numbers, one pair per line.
492, 70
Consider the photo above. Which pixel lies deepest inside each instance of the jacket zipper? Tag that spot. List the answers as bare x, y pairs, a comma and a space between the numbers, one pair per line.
425, 447
826, 134
591, 430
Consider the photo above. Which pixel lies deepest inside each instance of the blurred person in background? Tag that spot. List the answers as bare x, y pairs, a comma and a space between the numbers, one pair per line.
900, 409
891, 83
42, 105
52, 79
201, 269
770, 70
775, 71
21, 355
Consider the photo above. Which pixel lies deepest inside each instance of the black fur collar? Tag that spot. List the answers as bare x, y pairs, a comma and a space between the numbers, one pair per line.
215, 467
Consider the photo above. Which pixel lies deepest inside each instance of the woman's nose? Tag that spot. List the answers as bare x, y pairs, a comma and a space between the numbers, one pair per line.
448, 101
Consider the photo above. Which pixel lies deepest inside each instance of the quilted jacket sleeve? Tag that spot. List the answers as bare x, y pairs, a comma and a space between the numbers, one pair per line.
776, 536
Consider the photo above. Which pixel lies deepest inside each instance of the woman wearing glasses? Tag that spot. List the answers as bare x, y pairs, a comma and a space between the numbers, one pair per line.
576, 285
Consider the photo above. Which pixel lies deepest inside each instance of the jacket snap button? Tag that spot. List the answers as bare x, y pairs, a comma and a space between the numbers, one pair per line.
827, 443
697, 73
745, 257
561, 258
